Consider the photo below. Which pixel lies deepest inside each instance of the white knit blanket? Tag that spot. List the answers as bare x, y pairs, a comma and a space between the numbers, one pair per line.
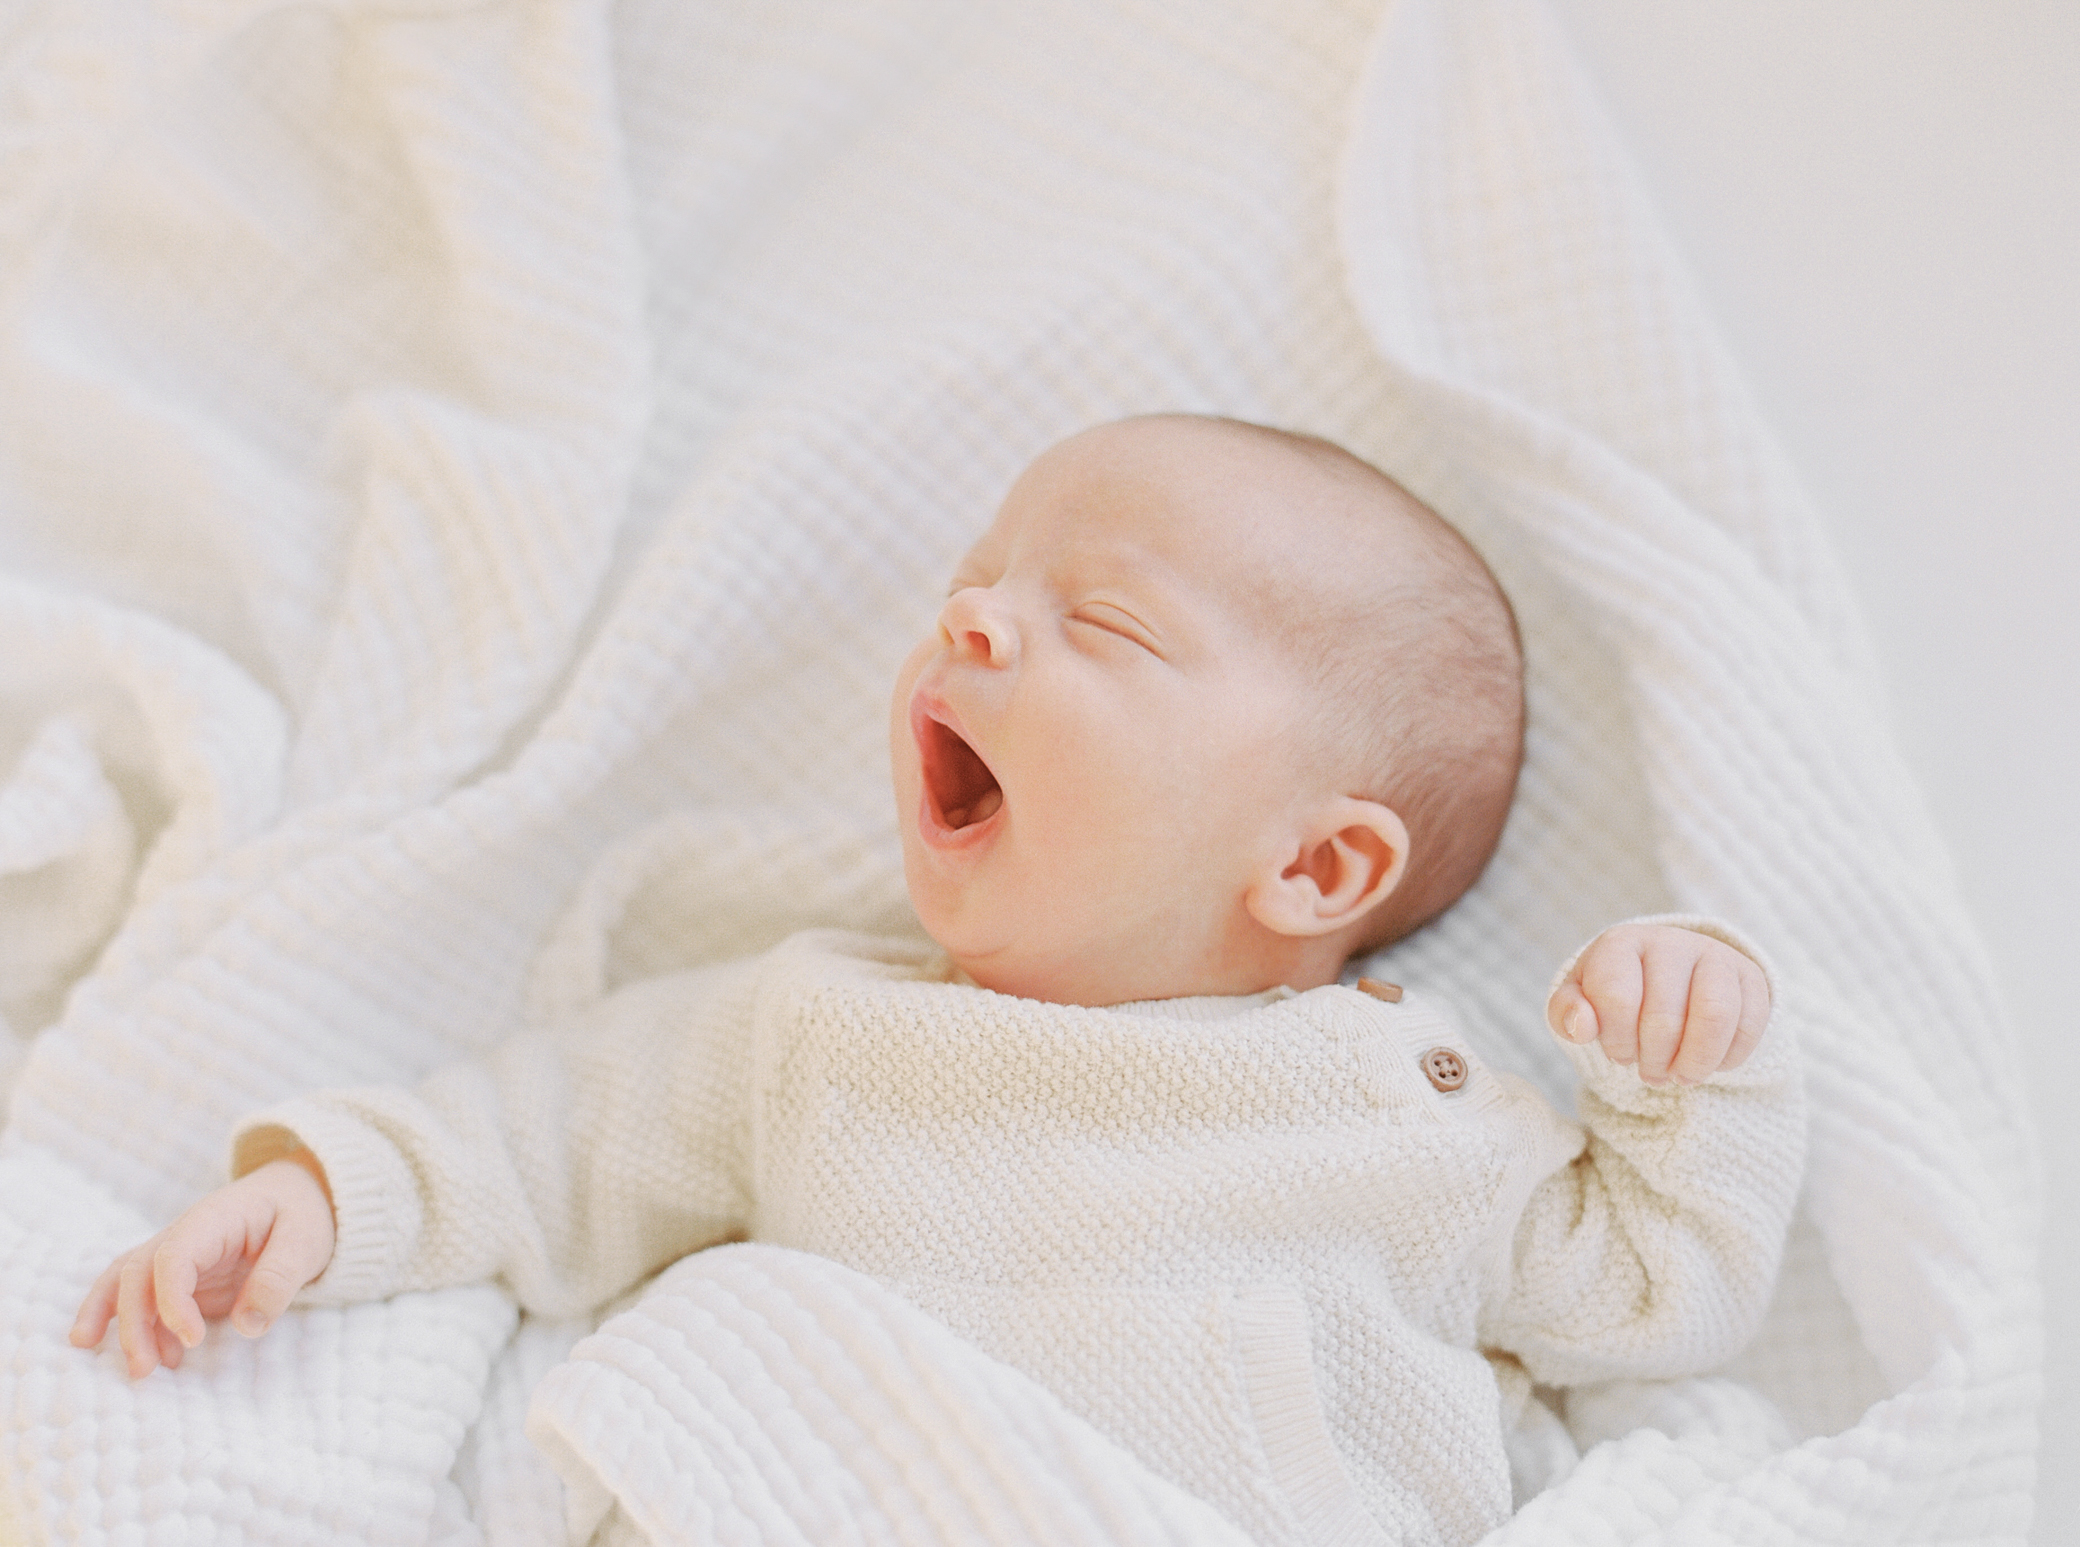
468, 471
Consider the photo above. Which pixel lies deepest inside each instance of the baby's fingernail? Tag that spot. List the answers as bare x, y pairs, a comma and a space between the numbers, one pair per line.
189, 1334
249, 1322
1573, 1027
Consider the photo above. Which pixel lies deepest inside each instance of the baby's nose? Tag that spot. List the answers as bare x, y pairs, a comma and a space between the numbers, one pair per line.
978, 628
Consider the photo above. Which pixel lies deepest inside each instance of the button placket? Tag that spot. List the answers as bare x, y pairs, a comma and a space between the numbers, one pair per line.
1413, 1044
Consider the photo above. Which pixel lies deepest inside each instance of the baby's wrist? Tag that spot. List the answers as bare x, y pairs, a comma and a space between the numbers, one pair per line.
304, 1160
375, 1214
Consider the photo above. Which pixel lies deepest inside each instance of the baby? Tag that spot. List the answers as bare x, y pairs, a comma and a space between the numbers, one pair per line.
1210, 710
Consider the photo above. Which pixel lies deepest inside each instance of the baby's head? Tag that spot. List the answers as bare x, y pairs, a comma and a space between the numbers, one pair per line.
1210, 708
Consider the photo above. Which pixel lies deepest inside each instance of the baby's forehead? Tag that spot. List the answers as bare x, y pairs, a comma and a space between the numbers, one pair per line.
1233, 508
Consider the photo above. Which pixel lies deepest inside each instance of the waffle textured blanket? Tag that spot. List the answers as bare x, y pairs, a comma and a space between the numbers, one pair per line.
468, 471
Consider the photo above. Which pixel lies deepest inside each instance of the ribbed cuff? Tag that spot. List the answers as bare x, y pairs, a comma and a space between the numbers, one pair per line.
375, 1199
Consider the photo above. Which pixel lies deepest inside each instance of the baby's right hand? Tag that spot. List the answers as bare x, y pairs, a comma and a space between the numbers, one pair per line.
246, 1249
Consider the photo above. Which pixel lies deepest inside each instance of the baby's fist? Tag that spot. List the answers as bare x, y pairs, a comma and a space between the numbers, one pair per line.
1677, 1003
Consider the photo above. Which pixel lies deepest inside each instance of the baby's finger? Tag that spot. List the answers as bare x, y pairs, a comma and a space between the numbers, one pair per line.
1755, 1008
173, 1289
170, 1349
1611, 981
292, 1257
136, 1318
1713, 1018
1570, 1015
98, 1309
1662, 1008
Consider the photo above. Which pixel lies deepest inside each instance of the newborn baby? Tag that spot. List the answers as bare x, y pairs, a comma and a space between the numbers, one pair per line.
1210, 709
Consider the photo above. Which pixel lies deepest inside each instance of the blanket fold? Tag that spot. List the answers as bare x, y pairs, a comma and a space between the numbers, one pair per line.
468, 472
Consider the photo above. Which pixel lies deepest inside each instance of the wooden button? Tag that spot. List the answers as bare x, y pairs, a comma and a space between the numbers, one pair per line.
1391, 992
1447, 1070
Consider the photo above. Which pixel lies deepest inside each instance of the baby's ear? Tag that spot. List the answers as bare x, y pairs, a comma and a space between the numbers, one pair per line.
1339, 868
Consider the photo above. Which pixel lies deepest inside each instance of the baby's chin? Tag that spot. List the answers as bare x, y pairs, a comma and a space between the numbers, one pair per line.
1003, 974
994, 939
1086, 972
1066, 977
1001, 959
989, 964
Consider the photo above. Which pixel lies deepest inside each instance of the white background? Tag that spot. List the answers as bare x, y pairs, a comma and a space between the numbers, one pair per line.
1881, 202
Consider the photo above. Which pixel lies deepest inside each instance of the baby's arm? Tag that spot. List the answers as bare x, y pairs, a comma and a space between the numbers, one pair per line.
570, 1166
1651, 1246
245, 1249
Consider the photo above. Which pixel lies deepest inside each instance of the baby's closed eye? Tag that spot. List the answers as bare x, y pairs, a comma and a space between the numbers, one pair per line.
1117, 621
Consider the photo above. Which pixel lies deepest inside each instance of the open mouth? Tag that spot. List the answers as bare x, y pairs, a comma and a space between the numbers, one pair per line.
959, 788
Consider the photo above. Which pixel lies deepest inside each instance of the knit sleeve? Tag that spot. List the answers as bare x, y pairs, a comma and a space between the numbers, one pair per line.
569, 1165
1653, 1251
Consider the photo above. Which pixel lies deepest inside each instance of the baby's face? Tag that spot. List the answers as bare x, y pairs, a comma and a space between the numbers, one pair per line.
1092, 748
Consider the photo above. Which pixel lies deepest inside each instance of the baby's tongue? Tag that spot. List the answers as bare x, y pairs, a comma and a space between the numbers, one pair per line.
981, 809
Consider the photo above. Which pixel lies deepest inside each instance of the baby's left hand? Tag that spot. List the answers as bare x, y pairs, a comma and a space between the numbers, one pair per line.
1679, 1004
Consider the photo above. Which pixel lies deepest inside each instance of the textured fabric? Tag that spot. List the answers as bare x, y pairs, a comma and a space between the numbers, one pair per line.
762, 1395
468, 472
1250, 1240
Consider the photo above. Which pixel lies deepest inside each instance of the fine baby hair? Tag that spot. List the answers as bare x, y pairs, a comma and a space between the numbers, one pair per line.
1421, 666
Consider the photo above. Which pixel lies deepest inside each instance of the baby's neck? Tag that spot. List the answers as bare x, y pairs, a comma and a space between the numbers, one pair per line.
1288, 963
